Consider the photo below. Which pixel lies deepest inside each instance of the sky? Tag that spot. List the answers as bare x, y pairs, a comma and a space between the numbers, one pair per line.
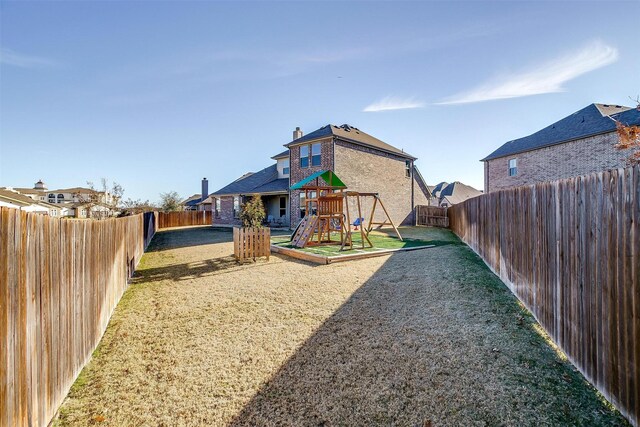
158, 95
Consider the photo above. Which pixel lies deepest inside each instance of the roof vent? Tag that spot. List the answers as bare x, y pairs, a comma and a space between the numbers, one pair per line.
346, 127
605, 105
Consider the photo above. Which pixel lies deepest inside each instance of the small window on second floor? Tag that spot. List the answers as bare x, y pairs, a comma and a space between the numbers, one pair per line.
513, 167
285, 167
407, 168
316, 157
304, 156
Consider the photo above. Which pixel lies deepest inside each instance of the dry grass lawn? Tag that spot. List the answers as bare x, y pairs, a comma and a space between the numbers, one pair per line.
429, 337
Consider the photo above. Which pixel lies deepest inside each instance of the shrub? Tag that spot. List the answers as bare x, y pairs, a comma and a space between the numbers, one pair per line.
252, 213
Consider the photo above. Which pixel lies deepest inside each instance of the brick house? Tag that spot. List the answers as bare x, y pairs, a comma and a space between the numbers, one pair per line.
579, 144
364, 163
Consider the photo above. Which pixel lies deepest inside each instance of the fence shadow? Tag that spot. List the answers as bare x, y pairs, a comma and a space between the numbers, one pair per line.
187, 237
431, 337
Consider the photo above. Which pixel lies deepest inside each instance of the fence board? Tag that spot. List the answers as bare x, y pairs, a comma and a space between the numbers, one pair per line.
184, 218
433, 216
59, 283
570, 251
251, 242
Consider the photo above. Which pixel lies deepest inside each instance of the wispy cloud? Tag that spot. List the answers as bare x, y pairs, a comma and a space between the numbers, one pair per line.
10, 57
393, 103
548, 77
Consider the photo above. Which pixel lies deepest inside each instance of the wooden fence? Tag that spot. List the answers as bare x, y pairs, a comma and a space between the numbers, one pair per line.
570, 251
434, 216
59, 283
184, 218
250, 243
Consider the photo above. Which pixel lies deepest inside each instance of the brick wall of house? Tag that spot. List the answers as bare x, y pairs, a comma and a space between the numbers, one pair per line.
226, 212
580, 157
366, 170
297, 174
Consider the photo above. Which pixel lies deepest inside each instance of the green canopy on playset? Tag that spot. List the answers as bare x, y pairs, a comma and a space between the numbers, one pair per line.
328, 176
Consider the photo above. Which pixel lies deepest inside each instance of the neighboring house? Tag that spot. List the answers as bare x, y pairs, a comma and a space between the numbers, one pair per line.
364, 163
13, 199
454, 193
435, 192
195, 202
68, 199
579, 144
191, 203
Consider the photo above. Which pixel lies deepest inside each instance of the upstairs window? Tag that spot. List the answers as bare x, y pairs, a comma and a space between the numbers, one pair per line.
310, 155
316, 157
304, 156
407, 168
285, 167
513, 167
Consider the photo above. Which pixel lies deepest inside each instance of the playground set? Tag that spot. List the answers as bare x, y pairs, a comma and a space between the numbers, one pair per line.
327, 214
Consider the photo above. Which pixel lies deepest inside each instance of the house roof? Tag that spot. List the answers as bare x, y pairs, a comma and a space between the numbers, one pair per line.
192, 201
276, 186
327, 176
592, 120
421, 182
17, 198
282, 155
438, 188
350, 134
79, 190
457, 192
249, 182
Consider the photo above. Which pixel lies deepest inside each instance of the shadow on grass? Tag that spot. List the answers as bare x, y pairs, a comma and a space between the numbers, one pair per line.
191, 236
432, 338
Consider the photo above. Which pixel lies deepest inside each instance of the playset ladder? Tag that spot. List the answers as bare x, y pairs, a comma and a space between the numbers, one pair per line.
305, 231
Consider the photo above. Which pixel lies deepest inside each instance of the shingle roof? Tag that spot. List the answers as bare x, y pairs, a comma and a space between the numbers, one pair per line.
192, 201
350, 134
278, 185
282, 155
248, 183
592, 120
17, 197
438, 188
457, 192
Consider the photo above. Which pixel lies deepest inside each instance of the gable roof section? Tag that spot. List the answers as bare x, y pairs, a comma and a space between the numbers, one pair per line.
592, 120
16, 198
192, 201
350, 134
283, 155
249, 182
457, 192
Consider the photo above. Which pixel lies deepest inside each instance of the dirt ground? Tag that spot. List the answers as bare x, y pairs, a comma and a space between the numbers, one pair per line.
424, 338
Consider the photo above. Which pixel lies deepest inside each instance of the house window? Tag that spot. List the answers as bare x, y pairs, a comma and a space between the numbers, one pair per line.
304, 156
310, 154
283, 206
217, 208
407, 168
303, 205
236, 207
315, 154
513, 167
285, 167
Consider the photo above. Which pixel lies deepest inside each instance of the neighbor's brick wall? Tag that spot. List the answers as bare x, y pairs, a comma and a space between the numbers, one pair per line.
297, 174
580, 157
367, 170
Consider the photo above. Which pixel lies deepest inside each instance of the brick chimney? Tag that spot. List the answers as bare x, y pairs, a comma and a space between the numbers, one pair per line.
297, 133
205, 189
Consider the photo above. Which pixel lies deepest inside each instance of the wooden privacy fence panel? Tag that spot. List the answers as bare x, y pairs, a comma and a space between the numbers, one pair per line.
434, 216
184, 218
251, 242
570, 251
59, 283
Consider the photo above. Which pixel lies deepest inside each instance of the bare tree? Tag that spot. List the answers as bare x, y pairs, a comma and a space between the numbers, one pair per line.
107, 196
170, 202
